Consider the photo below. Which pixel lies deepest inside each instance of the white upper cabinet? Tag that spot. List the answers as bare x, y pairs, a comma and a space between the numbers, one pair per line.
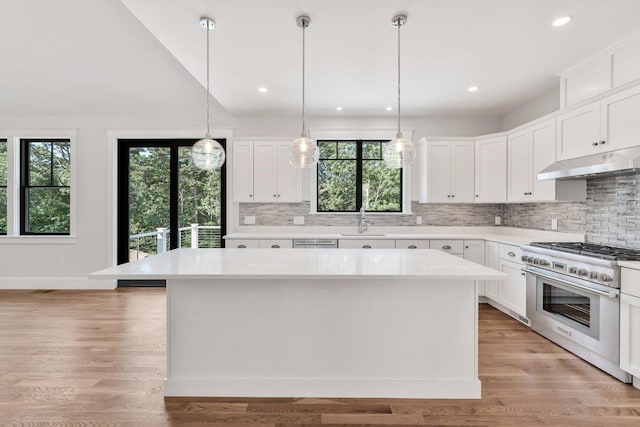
620, 119
242, 171
449, 172
609, 124
262, 173
578, 131
613, 67
491, 170
529, 151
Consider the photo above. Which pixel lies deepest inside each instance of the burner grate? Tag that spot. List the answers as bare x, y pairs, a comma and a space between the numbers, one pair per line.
612, 253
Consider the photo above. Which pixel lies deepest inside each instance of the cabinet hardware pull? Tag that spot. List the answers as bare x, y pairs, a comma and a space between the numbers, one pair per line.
274, 195
412, 247
275, 246
242, 246
366, 246
523, 274
250, 195
603, 142
448, 195
446, 247
466, 247
511, 254
595, 144
453, 195
477, 195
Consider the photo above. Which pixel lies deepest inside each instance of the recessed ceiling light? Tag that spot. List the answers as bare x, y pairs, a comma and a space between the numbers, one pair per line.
262, 89
389, 108
338, 108
562, 21
473, 88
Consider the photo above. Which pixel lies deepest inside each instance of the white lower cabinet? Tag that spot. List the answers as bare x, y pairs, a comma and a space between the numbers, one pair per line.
276, 243
412, 244
511, 293
474, 252
366, 244
630, 322
514, 288
241, 243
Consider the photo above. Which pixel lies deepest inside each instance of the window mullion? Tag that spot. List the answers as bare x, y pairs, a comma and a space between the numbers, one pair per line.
358, 175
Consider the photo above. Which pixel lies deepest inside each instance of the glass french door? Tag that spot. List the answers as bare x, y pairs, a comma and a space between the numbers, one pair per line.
164, 202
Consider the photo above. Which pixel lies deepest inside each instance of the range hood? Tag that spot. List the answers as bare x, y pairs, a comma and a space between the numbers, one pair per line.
601, 163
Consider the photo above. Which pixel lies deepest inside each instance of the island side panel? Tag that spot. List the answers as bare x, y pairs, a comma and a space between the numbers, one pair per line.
322, 338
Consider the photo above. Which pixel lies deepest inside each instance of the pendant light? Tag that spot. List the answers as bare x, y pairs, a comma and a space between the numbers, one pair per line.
398, 152
303, 151
207, 153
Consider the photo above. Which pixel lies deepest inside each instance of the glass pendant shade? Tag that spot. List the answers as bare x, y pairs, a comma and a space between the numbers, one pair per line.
303, 152
398, 153
207, 154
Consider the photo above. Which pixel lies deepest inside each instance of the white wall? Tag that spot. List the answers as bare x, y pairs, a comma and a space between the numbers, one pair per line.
538, 107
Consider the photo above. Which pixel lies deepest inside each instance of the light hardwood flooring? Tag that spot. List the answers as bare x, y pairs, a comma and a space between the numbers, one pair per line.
87, 358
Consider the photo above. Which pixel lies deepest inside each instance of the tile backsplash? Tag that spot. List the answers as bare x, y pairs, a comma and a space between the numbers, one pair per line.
610, 215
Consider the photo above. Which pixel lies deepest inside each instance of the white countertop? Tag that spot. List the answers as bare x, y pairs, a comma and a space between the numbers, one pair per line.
509, 235
630, 264
296, 263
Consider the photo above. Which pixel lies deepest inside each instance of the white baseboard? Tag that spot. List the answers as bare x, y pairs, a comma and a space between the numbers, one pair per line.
324, 387
55, 283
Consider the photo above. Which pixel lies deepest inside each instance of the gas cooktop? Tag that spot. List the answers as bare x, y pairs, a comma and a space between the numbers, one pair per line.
592, 250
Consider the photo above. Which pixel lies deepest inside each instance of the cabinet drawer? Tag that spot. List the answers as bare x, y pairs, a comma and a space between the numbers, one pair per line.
412, 244
449, 246
276, 243
511, 253
366, 244
242, 243
630, 282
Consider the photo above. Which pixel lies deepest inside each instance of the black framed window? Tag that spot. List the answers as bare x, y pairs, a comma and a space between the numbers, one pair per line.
45, 186
3, 186
352, 174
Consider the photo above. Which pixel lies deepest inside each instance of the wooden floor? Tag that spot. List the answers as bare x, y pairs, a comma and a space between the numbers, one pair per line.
87, 358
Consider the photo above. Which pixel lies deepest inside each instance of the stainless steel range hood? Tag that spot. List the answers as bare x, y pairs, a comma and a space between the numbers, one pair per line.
601, 163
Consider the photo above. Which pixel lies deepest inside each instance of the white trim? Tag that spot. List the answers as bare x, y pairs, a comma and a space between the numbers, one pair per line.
322, 387
345, 134
113, 135
55, 283
13, 137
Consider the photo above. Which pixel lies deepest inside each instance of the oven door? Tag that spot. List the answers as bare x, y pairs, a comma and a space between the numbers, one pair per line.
567, 308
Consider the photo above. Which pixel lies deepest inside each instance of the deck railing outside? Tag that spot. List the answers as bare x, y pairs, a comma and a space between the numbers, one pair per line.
142, 245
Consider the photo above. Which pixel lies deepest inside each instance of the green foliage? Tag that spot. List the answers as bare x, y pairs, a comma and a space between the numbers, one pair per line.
199, 190
48, 195
337, 178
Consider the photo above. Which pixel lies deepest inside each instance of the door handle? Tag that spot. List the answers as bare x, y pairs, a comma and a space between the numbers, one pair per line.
412, 247
511, 254
275, 246
366, 246
242, 246
446, 247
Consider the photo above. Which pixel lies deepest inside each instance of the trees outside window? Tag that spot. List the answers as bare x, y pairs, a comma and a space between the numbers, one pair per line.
45, 187
352, 174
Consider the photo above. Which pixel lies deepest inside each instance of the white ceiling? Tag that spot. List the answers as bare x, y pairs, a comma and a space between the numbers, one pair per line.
507, 47
78, 56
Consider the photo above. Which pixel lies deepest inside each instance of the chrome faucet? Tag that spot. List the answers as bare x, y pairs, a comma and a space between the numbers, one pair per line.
363, 225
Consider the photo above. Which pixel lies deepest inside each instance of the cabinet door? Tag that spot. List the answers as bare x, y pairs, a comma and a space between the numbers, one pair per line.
578, 132
366, 244
514, 288
630, 334
474, 252
621, 120
412, 244
492, 260
491, 170
242, 171
438, 171
519, 166
264, 171
589, 79
543, 141
462, 171
241, 243
625, 61
289, 178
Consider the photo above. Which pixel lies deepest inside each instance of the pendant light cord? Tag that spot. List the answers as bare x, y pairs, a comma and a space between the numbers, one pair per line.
399, 133
208, 114
304, 132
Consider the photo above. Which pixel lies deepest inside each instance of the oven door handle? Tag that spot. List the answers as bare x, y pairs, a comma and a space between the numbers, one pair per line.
576, 286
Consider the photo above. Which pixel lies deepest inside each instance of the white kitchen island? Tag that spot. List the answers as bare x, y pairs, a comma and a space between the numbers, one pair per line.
318, 322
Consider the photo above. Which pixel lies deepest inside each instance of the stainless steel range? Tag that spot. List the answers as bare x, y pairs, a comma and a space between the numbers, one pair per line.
573, 298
